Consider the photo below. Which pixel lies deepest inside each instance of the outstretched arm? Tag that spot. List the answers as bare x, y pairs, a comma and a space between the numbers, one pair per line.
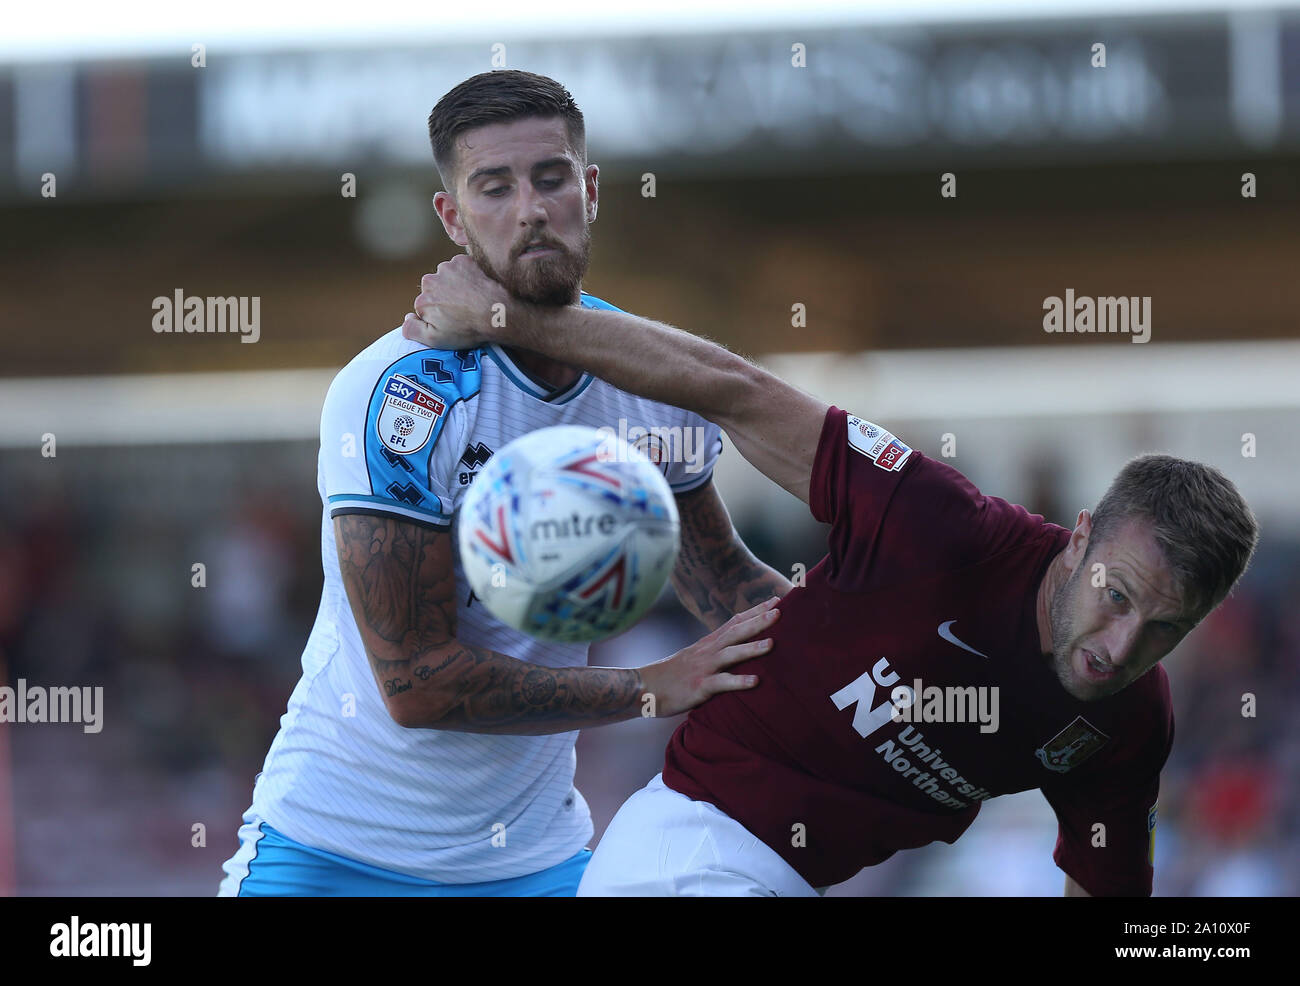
774, 425
401, 586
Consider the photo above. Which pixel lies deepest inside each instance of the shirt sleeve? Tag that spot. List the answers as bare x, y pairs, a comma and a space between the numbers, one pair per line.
389, 445
701, 446
1106, 826
897, 514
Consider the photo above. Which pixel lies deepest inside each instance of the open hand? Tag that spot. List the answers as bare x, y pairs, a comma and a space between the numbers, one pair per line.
696, 673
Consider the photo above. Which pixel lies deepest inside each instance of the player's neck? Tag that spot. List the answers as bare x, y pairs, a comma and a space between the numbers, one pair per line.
1053, 578
558, 375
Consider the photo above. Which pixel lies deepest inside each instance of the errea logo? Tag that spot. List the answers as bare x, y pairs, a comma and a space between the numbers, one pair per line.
473, 458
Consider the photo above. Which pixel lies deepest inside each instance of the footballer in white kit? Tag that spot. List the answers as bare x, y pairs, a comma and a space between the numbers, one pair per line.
428, 749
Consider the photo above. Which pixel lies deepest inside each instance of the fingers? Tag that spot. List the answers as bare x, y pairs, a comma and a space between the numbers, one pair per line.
424, 303
461, 263
415, 328
742, 652
430, 282
766, 604
742, 626
725, 682
430, 285
750, 613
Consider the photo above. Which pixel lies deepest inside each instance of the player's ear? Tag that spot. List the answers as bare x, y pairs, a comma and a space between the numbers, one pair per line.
449, 213
1084, 523
593, 191
1077, 546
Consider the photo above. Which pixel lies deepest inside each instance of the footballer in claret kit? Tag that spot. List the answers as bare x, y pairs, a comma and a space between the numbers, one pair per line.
848, 750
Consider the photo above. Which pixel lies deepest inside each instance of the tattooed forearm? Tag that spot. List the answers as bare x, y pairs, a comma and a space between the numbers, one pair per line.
478, 690
538, 688
733, 583
400, 582
716, 575
423, 672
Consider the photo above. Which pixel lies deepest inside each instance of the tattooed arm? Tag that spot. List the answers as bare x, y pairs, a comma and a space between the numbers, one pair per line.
402, 589
716, 574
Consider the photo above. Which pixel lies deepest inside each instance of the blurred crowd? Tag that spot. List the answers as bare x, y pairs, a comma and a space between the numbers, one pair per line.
98, 586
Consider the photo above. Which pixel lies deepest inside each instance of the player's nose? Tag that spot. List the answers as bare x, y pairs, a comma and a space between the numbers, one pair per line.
1121, 643
532, 207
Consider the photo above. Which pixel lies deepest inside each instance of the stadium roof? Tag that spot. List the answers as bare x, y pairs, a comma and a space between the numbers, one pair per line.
84, 29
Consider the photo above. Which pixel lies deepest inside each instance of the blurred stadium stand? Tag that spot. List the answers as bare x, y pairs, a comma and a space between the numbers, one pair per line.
774, 186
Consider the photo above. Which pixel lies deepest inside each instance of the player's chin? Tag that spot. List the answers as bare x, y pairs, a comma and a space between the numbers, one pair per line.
1095, 691
1084, 684
549, 297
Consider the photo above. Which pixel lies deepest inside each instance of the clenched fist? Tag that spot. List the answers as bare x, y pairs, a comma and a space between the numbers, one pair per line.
458, 307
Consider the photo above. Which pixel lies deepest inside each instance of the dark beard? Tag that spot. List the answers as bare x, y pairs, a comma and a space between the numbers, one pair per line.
546, 281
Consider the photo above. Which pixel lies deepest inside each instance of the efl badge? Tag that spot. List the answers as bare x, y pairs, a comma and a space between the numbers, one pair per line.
408, 414
876, 444
1071, 746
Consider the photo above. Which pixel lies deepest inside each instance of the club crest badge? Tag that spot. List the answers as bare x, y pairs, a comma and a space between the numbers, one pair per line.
1071, 746
652, 447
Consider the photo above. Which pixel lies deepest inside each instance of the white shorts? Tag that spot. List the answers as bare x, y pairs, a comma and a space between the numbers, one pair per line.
663, 844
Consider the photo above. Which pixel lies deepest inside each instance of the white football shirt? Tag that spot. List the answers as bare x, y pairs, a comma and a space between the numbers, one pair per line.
403, 431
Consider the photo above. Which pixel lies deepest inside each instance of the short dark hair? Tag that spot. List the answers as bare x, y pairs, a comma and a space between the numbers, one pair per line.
499, 97
1202, 525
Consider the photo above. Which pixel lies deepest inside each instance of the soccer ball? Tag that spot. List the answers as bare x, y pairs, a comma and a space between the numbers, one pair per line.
568, 534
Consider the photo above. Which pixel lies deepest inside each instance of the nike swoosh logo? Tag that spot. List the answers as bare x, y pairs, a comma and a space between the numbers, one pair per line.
946, 634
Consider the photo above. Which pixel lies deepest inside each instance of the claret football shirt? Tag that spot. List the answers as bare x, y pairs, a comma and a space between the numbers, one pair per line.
929, 586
